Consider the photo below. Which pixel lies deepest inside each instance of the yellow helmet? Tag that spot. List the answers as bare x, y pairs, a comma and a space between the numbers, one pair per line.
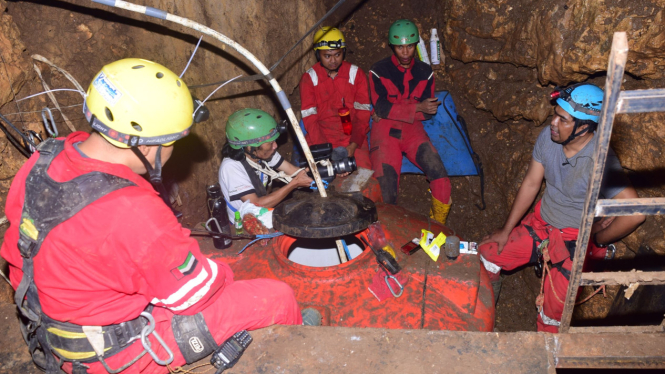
329, 38
135, 102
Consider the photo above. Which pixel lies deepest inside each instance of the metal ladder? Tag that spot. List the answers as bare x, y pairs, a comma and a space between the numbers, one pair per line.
615, 101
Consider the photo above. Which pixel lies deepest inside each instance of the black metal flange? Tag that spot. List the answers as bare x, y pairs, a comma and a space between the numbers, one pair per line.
318, 217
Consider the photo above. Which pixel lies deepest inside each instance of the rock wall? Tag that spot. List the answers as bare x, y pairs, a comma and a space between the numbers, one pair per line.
81, 36
515, 51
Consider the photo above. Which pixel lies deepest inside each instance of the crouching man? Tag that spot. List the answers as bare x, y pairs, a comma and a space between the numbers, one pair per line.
562, 156
251, 161
103, 271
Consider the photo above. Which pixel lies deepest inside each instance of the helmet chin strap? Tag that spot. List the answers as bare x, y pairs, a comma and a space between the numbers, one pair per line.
575, 135
155, 175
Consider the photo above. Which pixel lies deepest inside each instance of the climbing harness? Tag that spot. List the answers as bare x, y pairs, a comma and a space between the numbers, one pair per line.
51, 343
270, 172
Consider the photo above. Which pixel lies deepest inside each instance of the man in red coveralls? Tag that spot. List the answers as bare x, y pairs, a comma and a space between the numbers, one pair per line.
330, 89
563, 156
402, 92
110, 251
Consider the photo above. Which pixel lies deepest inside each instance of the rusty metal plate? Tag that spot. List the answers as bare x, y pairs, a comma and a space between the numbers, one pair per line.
316, 217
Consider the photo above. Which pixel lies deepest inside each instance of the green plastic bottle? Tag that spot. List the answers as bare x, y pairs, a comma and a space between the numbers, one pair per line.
237, 223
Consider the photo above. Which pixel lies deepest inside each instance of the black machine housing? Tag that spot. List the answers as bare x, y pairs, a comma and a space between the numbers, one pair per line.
324, 151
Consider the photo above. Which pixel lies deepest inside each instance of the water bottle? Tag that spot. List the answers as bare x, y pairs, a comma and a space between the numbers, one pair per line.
345, 116
435, 48
217, 210
237, 223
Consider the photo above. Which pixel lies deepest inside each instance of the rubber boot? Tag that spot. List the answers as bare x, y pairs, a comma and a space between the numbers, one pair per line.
496, 287
439, 211
311, 317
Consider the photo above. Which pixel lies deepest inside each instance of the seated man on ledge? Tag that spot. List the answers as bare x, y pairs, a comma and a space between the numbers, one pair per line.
402, 91
562, 156
335, 99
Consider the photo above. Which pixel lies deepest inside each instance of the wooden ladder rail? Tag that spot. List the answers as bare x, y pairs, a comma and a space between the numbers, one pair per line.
614, 102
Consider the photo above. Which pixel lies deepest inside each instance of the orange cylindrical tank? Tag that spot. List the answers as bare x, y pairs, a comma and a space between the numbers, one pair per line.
442, 295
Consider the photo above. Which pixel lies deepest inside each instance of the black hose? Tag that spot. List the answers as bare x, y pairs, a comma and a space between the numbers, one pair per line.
214, 233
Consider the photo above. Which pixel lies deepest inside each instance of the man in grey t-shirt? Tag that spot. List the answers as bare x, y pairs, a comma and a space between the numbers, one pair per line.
563, 157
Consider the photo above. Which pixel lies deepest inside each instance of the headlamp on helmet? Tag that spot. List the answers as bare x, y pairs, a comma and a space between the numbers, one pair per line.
329, 38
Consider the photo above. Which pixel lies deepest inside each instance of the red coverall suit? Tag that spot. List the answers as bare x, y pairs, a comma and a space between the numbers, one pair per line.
321, 98
395, 93
521, 249
126, 250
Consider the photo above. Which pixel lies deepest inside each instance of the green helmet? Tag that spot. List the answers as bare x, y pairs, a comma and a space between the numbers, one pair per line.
250, 127
403, 32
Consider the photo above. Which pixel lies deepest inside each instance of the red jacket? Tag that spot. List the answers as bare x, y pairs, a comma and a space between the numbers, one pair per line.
117, 255
321, 97
396, 91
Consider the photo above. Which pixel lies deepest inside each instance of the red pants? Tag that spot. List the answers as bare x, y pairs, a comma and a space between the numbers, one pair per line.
518, 251
243, 305
391, 139
337, 138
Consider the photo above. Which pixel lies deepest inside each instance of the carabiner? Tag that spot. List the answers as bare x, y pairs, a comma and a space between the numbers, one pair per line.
51, 129
401, 288
150, 329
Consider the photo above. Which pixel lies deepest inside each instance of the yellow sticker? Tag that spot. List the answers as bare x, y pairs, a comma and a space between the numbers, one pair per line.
28, 228
432, 245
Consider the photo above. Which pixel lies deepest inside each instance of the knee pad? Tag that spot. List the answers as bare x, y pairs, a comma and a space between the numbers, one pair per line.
430, 162
193, 337
388, 183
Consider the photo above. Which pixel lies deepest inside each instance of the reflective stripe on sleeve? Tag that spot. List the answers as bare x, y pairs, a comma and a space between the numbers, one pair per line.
549, 321
490, 266
175, 297
202, 292
430, 76
352, 74
308, 112
359, 106
315, 78
377, 75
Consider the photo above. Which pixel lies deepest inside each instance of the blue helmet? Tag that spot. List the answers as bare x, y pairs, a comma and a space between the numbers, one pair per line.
582, 100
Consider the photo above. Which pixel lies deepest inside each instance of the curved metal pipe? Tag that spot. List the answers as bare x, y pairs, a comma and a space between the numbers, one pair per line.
281, 95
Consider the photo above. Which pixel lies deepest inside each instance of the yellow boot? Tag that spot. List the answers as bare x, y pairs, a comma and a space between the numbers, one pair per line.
439, 211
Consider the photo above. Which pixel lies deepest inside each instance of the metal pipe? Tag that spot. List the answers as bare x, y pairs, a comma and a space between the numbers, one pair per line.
281, 95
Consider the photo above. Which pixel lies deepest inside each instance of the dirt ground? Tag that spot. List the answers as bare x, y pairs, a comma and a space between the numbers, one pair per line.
504, 147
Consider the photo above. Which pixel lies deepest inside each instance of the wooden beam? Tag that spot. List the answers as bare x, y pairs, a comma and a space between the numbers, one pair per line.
647, 278
615, 69
641, 101
649, 206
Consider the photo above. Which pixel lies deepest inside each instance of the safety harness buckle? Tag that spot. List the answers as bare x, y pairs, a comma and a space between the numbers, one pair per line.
26, 246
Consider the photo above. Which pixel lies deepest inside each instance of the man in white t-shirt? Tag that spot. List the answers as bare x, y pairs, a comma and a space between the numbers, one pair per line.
251, 136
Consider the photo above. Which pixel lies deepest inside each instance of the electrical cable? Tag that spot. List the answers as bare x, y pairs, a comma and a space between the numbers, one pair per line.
47, 91
257, 77
13, 140
191, 57
259, 237
38, 111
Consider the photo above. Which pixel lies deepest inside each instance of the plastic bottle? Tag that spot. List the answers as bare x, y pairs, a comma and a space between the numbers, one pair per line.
237, 223
217, 209
435, 48
345, 116
422, 51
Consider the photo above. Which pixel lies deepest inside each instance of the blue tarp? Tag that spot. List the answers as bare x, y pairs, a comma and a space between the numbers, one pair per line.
449, 137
